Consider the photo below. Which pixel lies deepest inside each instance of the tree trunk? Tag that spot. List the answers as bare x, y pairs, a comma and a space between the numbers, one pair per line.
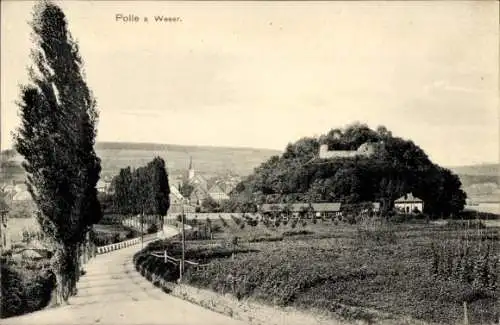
65, 266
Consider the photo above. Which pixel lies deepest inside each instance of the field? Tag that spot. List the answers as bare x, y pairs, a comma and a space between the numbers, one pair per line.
106, 232
421, 270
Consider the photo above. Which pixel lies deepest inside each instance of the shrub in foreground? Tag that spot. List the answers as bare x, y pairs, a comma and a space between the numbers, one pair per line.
24, 290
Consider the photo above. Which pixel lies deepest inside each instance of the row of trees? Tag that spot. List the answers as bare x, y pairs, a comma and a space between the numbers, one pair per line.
144, 190
397, 167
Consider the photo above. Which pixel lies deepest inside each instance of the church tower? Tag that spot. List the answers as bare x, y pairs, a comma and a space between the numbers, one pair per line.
191, 169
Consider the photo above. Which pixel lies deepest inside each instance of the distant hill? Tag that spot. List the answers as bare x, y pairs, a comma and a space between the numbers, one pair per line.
478, 174
207, 160
478, 170
480, 182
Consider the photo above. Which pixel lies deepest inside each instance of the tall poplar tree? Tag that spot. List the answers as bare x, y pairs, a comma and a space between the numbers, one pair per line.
159, 197
122, 201
56, 138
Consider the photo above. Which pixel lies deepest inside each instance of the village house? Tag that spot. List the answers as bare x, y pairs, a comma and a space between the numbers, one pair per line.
217, 194
198, 195
409, 204
320, 210
178, 203
195, 179
215, 189
176, 196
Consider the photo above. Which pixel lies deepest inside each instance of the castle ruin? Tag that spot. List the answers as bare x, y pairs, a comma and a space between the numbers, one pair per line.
366, 149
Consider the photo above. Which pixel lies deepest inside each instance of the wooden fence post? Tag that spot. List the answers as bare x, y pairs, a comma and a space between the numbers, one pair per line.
165, 256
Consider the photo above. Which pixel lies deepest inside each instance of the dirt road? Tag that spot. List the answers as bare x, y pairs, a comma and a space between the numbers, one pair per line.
113, 292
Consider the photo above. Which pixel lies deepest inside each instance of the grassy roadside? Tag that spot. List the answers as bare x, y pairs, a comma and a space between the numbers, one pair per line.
358, 273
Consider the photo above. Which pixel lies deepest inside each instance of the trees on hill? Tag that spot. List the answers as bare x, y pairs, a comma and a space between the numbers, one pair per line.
56, 138
397, 167
143, 190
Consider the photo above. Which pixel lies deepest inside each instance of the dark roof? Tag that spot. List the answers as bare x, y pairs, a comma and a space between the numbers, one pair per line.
408, 198
326, 207
297, 207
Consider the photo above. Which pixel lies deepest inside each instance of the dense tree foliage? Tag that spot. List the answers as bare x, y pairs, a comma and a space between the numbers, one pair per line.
210, 205
186, 188
397, 167
56, 138
143, 190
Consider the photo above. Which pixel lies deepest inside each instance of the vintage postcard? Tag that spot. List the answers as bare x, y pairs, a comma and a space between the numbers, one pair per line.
249, 162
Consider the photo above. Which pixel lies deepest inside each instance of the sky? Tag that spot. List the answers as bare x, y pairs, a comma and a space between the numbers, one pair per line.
263, 74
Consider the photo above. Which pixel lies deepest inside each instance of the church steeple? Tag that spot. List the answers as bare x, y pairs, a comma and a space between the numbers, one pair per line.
191, 169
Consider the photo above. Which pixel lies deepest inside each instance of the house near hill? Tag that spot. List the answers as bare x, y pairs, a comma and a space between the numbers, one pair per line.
178, 203
295, 210
409, 204
198, 195
366, 149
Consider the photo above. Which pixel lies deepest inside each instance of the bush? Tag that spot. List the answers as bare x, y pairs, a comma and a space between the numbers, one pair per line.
153, 228
23, 290
459, 261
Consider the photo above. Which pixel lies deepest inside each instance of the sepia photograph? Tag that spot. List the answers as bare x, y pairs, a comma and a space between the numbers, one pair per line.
249, 162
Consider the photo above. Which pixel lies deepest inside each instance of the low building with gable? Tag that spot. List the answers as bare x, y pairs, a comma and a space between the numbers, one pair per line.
409, 204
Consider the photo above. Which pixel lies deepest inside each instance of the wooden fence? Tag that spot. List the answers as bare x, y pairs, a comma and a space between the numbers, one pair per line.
120, 245
176, 261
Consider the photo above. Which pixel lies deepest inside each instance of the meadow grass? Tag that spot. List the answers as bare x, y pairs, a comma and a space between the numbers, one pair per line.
420, 270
